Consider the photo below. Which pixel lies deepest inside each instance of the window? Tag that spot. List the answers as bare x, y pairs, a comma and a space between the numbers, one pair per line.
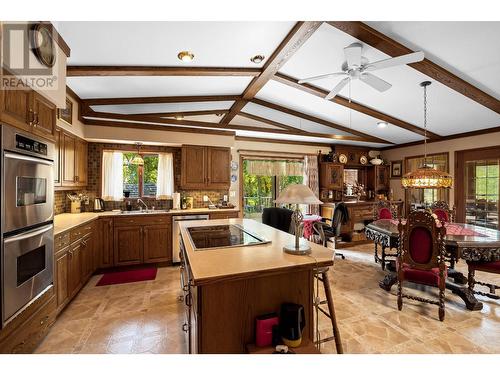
140, 180
153, 179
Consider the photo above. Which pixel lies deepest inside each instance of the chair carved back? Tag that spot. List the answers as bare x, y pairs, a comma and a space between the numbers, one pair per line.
421, 241
443, 211
384, 210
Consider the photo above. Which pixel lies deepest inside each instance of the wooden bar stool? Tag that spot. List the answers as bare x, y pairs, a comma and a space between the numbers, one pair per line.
321, 274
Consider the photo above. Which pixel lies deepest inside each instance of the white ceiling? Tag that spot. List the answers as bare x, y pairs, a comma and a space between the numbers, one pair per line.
469, 50
129, 87
449, 111
220, 44
128, 109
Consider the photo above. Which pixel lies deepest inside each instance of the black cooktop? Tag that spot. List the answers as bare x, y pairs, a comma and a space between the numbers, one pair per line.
217, 236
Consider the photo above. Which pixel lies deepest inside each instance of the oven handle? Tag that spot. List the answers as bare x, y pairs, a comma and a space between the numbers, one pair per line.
32, 233
28, 158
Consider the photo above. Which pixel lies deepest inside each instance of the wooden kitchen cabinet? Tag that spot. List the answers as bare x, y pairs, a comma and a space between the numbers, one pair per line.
74, 155
379, 177
57, 159
128, 247
224, 215
157, 243
74, 269
28, 111
331, 176
205, 168
61, 274
81, 156
104, 249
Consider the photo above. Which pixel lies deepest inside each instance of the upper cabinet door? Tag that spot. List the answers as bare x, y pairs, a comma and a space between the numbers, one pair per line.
218, 168
68, 162
57, 158
193, 167
15, 108
81, 155
44, 114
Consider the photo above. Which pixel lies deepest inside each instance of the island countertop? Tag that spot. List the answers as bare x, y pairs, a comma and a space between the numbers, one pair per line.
216, 264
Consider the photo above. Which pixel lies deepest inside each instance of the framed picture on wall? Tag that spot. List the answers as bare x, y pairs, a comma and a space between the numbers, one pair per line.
396, 169
66, 114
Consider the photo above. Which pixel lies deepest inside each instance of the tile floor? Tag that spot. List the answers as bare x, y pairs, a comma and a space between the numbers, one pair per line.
146, 317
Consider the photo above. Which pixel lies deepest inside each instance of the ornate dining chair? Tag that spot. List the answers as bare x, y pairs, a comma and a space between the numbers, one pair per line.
421, 256
384, 210
490, 267
443, 211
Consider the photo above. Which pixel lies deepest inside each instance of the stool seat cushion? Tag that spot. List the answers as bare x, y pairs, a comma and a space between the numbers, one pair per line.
492, 267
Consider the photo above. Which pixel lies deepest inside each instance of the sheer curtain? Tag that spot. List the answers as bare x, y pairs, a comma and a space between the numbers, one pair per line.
112, 175
165, 180
311, 179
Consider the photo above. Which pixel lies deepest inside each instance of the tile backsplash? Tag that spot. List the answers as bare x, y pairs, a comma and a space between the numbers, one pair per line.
92, 190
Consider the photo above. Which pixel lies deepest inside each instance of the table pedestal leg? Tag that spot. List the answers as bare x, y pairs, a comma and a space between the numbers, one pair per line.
458, 277
467, 296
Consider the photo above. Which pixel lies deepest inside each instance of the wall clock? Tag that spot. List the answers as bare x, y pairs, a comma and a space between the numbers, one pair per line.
42, 44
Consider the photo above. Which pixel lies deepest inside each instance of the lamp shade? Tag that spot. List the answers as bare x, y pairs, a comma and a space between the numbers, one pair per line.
297, 194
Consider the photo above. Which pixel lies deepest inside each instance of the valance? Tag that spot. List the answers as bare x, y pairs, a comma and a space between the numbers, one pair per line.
275, 168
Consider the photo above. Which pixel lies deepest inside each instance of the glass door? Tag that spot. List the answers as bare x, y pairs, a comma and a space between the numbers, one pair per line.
477, 192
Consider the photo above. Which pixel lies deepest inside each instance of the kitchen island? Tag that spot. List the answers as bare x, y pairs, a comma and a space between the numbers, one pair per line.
226, 288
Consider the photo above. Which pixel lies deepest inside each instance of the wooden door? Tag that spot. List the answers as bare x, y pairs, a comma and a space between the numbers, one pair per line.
74, 269
15, 108
68, 160
218, 168
58, 158
61, 278
128, 245
193, 167
104, 247
81, 155
157, 243
44, 114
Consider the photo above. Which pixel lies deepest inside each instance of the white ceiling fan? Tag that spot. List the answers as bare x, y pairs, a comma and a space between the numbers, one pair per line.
358, 67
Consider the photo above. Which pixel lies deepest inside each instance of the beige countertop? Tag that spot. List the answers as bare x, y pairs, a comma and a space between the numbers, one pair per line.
218, 264
66, 221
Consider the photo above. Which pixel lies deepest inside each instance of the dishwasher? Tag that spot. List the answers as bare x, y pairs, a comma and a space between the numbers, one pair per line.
176, 235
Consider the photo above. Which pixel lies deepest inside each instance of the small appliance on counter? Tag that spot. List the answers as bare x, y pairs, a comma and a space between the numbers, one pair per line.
98, 205
292, 322
264, 327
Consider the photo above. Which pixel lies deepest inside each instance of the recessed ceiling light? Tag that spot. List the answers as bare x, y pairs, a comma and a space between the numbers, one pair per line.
185, 56
382, 125
219, 114
179, 117
257, 59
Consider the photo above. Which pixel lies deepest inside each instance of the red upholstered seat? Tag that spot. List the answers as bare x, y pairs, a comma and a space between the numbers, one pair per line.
492, 267
384, 213
427, 277
442, 215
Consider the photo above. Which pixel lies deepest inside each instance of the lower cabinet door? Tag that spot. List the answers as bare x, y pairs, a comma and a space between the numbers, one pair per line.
104, 248
157, 241
128, 245
61, 279
74, 269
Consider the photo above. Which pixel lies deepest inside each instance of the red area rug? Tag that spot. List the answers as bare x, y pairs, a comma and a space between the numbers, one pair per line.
124, 277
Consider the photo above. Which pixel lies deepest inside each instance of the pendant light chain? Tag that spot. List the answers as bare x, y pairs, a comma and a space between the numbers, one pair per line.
425, 125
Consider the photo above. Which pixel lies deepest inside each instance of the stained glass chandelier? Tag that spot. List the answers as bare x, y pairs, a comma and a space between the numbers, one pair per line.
426, 177
137, 159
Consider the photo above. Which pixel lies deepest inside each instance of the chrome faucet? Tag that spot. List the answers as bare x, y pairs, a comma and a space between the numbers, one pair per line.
141, 201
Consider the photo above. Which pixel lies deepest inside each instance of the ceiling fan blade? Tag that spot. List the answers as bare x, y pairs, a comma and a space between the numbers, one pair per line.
321, 77
394, 61
375, 82
353, 55
337, 88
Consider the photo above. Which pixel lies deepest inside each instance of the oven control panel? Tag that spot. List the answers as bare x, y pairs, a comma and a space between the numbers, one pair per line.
27, 144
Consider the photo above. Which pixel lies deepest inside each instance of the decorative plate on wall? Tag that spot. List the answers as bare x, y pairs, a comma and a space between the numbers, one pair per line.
363, 159
343, 158
234, 165
234, 178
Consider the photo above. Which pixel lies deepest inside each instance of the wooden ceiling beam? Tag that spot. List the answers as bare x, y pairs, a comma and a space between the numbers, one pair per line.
160, 99
204, 124
389, 46
277, 107
292, 82
116, 71
292, 42
280, 141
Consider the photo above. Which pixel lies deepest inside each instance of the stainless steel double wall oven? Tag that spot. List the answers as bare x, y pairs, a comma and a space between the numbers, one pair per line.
27, 213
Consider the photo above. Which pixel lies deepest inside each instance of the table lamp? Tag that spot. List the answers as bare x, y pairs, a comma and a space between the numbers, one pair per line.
297, 194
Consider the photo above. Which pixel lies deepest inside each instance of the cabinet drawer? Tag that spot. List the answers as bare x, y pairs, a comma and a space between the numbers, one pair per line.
81, 231
223, 215
61, 241
142, 220
28, 336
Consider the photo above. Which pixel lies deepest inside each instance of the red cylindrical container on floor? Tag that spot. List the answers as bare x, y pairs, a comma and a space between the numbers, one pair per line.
264, 329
